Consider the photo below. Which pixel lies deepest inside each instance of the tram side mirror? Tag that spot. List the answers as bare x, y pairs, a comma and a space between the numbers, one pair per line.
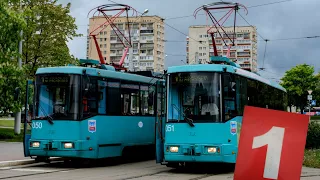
16, 94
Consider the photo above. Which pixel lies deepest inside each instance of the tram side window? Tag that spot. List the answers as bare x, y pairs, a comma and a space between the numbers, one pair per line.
151, 96
144, 99
147, 99
252, 92
113, 101
89, 96
241, 90
130, 101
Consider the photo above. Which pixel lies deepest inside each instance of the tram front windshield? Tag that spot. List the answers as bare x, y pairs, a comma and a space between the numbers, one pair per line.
195, 96
57, 96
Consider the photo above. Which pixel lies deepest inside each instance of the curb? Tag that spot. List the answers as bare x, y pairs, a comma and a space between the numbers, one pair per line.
23, 162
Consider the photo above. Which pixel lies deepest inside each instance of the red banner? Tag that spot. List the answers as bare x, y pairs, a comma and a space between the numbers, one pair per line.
271, 145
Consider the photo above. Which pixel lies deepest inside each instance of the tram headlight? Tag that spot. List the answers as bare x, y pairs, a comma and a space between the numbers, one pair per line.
68, 145
174, 149
35, 144
212, 149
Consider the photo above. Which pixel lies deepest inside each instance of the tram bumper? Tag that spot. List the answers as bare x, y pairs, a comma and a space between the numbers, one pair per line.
62, 148
225, 153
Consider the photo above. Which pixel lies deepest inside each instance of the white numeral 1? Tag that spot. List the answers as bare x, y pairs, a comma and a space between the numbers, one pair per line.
273, 138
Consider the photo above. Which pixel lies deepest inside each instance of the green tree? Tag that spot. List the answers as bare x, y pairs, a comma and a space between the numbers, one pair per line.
11, 23
297, 81
48, 28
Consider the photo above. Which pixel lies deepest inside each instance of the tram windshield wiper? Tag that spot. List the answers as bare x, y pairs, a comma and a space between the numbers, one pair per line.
188, 120
47, 116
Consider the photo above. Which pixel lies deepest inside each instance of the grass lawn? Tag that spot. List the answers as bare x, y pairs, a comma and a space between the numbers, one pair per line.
312, 158
9, 123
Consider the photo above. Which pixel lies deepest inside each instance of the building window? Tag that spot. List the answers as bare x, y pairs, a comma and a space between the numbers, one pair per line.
200, 48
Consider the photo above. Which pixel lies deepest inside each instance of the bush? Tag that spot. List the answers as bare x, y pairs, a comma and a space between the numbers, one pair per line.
8, 135
313, 137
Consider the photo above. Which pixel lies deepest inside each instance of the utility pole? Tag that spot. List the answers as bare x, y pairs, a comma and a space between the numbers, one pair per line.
17, 118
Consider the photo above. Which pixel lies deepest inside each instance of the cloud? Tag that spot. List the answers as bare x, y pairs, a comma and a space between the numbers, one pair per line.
277, 21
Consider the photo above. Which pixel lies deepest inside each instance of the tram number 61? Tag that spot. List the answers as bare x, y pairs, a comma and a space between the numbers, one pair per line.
274, 139
36, 125
169, 128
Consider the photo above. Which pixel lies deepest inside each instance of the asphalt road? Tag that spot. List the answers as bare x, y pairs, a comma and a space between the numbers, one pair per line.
144, 170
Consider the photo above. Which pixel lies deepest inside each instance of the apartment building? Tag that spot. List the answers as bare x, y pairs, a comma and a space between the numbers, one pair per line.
147, 34
244, 52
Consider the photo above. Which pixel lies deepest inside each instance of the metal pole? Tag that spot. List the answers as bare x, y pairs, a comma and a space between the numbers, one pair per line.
17, 118
309, 107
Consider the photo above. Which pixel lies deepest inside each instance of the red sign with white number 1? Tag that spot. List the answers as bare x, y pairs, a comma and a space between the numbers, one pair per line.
271, 145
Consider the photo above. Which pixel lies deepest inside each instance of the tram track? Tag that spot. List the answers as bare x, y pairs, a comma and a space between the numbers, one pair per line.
33, 168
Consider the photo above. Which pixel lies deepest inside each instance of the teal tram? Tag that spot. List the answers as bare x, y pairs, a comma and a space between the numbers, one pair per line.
91, 111
204, 109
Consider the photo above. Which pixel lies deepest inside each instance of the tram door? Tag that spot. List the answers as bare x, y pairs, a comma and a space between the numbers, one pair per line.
160, 120
26, 116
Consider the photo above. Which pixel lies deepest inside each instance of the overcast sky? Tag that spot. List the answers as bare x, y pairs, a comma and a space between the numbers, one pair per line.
291, 19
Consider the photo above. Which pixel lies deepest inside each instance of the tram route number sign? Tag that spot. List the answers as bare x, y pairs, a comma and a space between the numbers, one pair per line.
271, 145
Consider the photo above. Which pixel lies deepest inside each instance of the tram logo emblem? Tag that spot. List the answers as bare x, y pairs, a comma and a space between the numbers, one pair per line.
140, 124
233, 127
92, 126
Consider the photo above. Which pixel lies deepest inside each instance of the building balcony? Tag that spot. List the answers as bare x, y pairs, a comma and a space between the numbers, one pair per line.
116, 47
146, 58
146, 32
146, 47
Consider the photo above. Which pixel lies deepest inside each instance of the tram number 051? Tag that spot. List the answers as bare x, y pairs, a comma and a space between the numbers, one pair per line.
169, 128
36, 125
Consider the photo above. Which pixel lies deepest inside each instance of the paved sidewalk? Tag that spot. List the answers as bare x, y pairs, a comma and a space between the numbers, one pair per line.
11, 151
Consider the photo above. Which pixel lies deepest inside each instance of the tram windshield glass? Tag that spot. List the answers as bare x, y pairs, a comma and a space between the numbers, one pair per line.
195, 96
57, 96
